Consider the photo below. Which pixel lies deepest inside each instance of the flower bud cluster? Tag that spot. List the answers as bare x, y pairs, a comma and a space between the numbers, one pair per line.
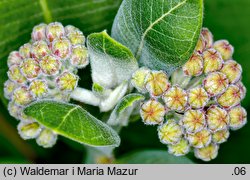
199, 104
44, 68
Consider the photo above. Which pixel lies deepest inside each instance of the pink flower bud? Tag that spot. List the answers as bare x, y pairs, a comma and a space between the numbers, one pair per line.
38, 88
207, 153
14, 58
208, 37
15, 75
30, 68
40, 49
25, 51
79, 56
54, 30
9, 87
200, 139
38, 32
61, 48
22, 96
198, 97
50, 65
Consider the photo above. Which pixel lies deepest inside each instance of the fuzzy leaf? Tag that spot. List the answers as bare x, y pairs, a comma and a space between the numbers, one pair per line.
111, 62
161, 34
73, 122
19, 17
152, 157
123, 109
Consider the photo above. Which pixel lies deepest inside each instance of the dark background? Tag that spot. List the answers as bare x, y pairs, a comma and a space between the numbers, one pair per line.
227, 19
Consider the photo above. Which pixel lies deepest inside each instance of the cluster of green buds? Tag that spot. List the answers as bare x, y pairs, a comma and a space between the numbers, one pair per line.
199, 104
46, 67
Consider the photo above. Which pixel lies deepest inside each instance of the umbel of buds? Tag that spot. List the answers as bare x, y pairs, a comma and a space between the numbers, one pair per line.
46, 67
197, 106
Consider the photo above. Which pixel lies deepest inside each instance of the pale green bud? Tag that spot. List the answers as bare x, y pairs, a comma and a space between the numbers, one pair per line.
224, 48
238, 117
29, 130
152, 112
217, 118
47, 138
179, 149
220, 136
207, 153
22, 96
170, 132
67, 81
79, 56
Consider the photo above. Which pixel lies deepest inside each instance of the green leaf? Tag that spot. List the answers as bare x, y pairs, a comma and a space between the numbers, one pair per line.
152, 157
73, 122
121, 114
161, 34
19, 17
111, 62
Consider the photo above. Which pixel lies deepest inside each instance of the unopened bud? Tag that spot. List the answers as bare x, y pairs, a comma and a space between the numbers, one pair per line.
15, 75
79, 56
152, 112
238, 117
217, 118
40, 49
224, 48
38, 88
38, 32
175, 99
25, 51
212, 61
157, 83
14, 58
197, 97
201, 45
14, 110
207, 153
67, 81
76, 37
9, 87
30, 68
230, 97
50, 65
220, 136
170, 132
22, 96
200, 139
208, 37
243, 89
215, 83
54, 31
138, 79
29, 130
194, 66
193, 120
61, 48
179, 149
232, 70
46, 138
70, 29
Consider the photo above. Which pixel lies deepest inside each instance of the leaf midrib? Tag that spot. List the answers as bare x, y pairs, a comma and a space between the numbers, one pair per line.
138, 52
